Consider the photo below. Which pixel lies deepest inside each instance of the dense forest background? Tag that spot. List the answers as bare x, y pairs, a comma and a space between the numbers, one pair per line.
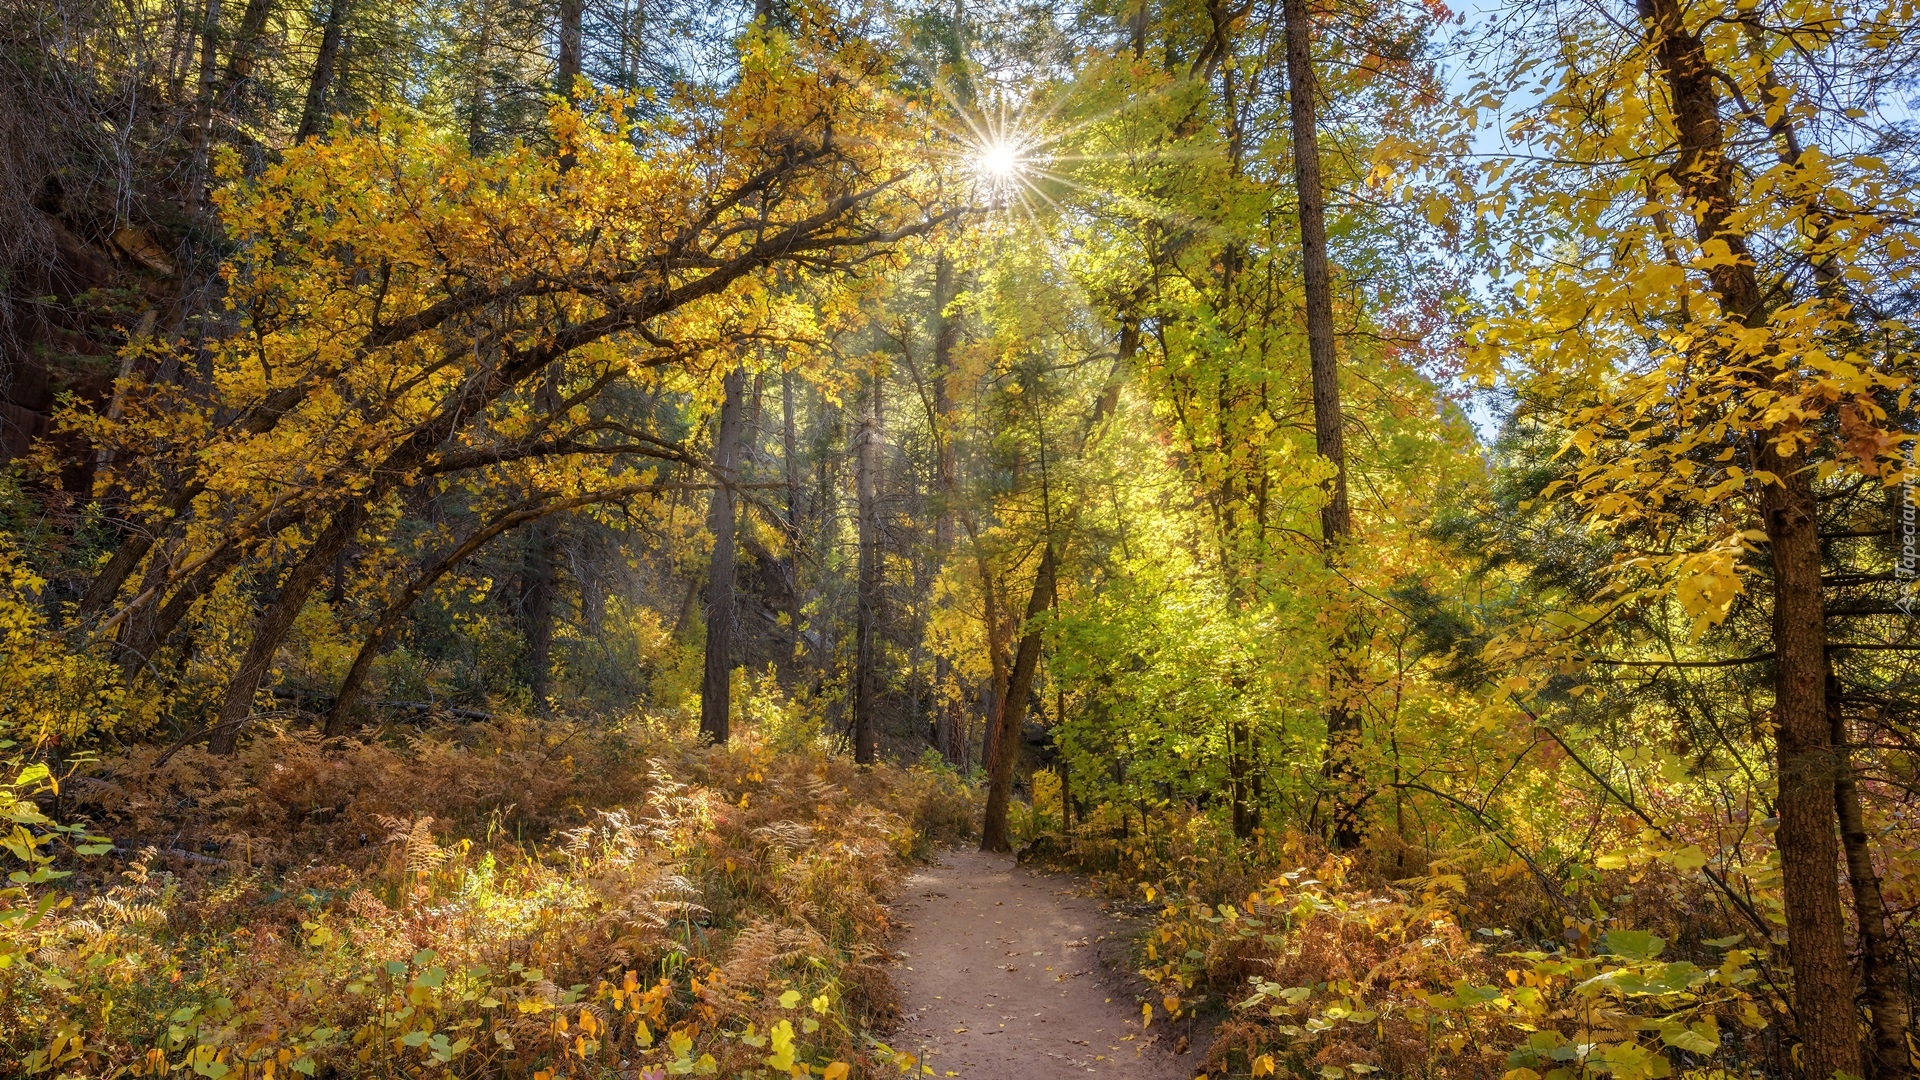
520, 519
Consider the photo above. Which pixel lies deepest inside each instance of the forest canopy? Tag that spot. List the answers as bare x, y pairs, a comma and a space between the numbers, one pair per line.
522, 521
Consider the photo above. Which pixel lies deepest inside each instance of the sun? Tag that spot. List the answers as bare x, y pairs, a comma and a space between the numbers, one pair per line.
1003, 165
999, 161
1004, 157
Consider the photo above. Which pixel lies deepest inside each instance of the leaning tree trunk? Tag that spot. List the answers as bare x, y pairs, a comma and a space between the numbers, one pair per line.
1336, 517
866, 726
716, 686
341, 719
1823, 989
1013, 709
270, 630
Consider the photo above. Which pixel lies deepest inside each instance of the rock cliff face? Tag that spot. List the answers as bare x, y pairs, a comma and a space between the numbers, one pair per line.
68, 306
91, 222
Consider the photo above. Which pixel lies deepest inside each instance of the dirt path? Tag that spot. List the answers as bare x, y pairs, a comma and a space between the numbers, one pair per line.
1000, 979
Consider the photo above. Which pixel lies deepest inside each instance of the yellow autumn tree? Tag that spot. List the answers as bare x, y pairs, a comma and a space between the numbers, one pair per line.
403, 310
1706, 305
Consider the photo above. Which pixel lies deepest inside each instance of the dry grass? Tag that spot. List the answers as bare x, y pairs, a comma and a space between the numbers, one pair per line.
1314, 966
503, 901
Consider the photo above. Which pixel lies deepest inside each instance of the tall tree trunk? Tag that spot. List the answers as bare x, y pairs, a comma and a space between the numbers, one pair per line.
314, 113
253, 22
866, 725
1889, 1058
208, 90
537, 588
567, 64
790, 461
1329, 437
539, 580
1823, 992
1013, 709
996, 637
716, 686
823, 513
567, 69
946, 333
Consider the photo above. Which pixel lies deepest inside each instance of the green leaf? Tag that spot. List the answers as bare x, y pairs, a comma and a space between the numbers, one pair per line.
1631, 944
1702, 1037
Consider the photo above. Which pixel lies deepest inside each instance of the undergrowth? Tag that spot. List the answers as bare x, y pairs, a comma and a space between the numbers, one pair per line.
512, 900
1306, 963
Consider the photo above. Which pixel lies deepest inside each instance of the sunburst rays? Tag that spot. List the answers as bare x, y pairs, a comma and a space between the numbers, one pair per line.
1027, 163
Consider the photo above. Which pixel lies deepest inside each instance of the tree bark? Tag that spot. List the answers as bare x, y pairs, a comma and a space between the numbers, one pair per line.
716, 685
1329, 438
271, 628
946, 333
567, 69
539, 576
1888, 1057
1013, 709
208, 90
138, 640
253, 22
996, 637
567, 63
790, 461
1823, 991
866, 724
538, 585
314, 113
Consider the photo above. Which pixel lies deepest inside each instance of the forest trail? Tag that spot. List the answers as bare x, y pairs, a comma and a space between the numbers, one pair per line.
1000, 978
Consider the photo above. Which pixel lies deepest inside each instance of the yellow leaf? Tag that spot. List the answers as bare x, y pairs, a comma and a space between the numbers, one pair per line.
1689, 858
1263, 1065
781, 1036
837, 1071
1707, 583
